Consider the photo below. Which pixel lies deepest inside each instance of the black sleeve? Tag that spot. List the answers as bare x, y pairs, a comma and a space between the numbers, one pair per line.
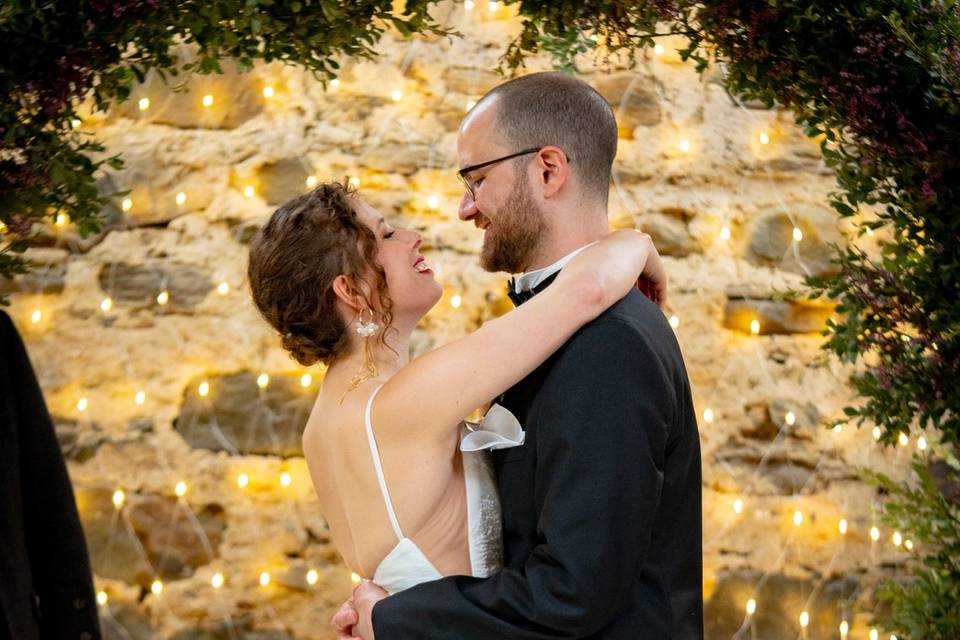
604, 413
55, 544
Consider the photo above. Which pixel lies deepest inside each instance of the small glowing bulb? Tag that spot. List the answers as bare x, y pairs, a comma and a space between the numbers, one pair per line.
922, 443
874, 634
268, 92
797, 517
163, 297
36, 316
102, 598
471, 104
869, 232
311, 182
335, 83
396, 95
804, 619
684, 146
897, 538
354, 182
82, 404
790, 418
903, 439
764, 138
249, 191
725, 233
433, 202
263, 380
75, 123
106, 304
181, 198
456, 300
492, 6
127, 204
708, 416
223, 288
755, 327
62, 220
118, 498
264, 579
208, 100
156, 587
312, 576
877, 433
468, 5
285, 479
217, 580
738, 506
674, 321
658, 49
842, 526
893, 636
144, 104
874, 534
354, 578
751, 606
837, 428
140, 397
243, 480
203, 389
306, 380
844, 629
181, 489
797, 234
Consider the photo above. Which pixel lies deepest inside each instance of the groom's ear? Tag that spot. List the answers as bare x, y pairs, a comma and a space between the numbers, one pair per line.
553, 170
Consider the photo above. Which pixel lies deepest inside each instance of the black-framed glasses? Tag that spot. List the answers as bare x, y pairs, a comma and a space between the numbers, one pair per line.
462, 174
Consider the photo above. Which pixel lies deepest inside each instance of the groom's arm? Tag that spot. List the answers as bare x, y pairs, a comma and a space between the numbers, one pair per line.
606, 407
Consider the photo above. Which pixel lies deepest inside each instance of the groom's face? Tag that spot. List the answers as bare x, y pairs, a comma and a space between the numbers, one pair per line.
502, 204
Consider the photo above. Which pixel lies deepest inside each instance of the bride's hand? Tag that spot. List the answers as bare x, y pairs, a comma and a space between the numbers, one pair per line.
620, 261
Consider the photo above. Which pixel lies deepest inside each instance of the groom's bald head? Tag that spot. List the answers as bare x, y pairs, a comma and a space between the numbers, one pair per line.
548, 108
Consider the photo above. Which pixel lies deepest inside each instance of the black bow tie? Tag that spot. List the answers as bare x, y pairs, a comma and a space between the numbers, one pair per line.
519, 298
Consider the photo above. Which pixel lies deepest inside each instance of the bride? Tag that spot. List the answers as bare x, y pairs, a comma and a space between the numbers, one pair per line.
404, 484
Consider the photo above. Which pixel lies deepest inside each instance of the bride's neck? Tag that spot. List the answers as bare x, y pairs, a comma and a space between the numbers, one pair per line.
390, 355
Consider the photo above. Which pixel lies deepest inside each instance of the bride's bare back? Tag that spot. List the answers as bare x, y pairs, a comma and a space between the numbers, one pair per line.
424, 477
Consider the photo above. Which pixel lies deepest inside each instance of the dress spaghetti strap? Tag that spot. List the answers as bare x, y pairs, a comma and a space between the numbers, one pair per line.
375, 453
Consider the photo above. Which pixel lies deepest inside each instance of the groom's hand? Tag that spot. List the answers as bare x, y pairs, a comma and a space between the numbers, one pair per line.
344, 620
365, 596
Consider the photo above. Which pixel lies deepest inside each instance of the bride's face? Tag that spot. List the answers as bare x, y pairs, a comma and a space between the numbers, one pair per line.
410, 282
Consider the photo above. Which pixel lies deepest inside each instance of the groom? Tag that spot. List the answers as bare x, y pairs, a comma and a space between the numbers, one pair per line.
601, 505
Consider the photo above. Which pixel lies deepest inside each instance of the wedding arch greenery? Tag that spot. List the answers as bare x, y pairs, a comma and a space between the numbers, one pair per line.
878, 81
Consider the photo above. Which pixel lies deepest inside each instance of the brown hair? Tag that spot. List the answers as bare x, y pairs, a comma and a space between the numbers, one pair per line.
294, 259
551, 108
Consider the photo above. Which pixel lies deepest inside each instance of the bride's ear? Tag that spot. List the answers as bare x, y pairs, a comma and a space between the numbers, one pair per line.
348, 293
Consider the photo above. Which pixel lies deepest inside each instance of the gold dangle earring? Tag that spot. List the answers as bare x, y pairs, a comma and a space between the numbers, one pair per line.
369, 368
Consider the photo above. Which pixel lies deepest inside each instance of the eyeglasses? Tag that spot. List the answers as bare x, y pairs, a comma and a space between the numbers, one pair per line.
470, 186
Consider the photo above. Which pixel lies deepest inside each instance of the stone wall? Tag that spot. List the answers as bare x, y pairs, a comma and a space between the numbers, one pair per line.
180, 415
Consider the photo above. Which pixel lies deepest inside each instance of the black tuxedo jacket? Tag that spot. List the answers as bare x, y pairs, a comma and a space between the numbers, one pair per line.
46, 589
601, 505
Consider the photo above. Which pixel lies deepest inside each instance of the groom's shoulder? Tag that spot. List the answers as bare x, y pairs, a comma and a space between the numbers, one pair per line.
635, 314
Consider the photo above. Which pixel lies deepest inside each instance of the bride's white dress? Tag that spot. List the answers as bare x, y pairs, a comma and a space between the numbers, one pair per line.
406, 565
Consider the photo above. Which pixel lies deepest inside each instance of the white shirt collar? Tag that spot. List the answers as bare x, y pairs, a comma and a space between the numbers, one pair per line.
532, 279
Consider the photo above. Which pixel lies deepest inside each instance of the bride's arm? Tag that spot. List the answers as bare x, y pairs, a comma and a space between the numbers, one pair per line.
431, 394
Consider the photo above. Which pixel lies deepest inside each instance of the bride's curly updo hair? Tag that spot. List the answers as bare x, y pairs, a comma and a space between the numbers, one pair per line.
294, 259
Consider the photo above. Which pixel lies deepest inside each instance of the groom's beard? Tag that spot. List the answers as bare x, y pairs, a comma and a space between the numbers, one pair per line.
512, 241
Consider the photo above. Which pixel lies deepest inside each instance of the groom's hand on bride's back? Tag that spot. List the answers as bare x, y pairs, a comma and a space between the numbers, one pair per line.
344, 620
354, 619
